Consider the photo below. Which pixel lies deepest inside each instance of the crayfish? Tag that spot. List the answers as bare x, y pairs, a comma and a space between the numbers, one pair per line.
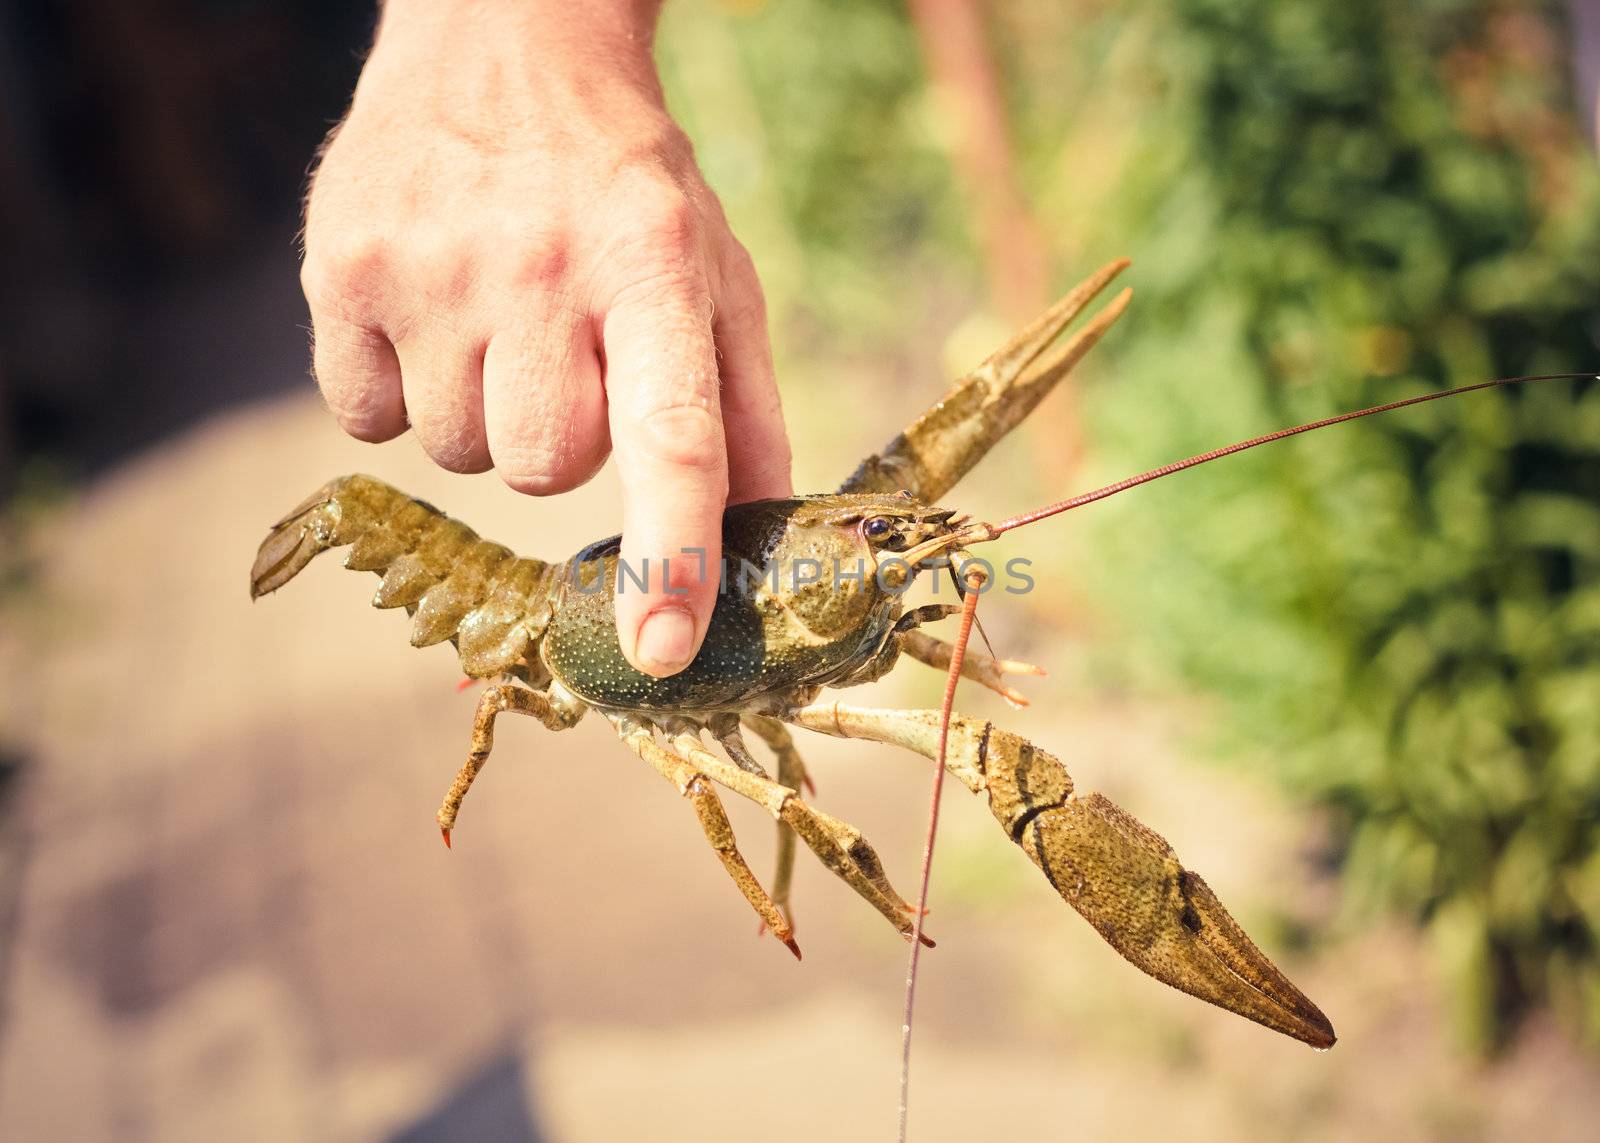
543, 635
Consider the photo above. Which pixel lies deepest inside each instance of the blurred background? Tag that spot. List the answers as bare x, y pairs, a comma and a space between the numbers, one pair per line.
1355, 679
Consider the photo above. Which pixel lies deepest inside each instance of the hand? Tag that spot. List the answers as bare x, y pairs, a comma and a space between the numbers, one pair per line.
510, 248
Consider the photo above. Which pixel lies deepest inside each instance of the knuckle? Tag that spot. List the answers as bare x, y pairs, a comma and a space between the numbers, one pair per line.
459, 452
685, 436
673, 222
534, 482
670, 289
660, 260
666, 220
745, 303
347, 277
543, 468
543, 263
365, 406
466, 463
370, 425
741, 266
746, 298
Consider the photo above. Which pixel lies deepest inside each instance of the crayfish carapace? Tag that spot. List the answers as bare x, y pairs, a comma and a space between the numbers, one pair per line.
543, 635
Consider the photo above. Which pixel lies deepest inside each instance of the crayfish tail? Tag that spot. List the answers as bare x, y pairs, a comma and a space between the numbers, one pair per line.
1127, 882
280, 558
456, 585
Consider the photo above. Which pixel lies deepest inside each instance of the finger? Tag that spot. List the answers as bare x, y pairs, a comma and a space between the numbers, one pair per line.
544, 407
752, 412
352, 356
441, 377
666, 428
359, 376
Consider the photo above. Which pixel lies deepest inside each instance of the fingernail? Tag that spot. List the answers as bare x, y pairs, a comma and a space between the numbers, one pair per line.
666, 640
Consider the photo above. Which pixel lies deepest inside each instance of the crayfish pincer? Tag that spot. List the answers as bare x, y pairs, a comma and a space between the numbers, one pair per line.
543, 637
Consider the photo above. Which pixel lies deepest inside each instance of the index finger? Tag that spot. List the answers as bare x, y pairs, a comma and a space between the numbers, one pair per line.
667, 435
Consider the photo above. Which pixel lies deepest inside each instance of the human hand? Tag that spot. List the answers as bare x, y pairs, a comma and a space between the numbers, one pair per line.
509, 247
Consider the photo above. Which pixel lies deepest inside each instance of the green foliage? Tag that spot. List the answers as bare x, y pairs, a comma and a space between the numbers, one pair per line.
815, 127
1341, 202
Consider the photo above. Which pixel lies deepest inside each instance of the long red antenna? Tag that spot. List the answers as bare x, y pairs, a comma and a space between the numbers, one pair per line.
969, 613
1083, 498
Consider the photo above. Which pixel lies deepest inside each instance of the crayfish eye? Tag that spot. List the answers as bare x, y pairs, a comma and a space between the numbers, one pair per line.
877, 527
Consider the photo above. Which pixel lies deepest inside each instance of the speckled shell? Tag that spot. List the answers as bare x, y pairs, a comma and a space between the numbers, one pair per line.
760, 641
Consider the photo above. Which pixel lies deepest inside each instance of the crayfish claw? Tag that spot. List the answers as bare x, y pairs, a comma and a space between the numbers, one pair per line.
444, 833
944, 443
1127, 882
1231, 956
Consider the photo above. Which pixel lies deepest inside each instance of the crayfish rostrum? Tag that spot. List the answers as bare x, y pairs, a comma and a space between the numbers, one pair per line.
543, 635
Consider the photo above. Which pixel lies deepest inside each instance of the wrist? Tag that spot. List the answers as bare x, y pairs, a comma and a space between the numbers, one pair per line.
553, 37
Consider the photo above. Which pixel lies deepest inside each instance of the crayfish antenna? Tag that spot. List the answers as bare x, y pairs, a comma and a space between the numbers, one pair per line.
982, 533
969, 615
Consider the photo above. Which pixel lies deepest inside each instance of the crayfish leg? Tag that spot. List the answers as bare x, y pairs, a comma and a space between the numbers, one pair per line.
556, 709
791, 774
838, 845
695, 786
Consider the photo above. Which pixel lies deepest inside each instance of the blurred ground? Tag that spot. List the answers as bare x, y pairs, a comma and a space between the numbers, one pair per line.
233, 917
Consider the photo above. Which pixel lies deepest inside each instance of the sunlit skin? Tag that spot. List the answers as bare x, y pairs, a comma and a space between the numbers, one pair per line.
510, 250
